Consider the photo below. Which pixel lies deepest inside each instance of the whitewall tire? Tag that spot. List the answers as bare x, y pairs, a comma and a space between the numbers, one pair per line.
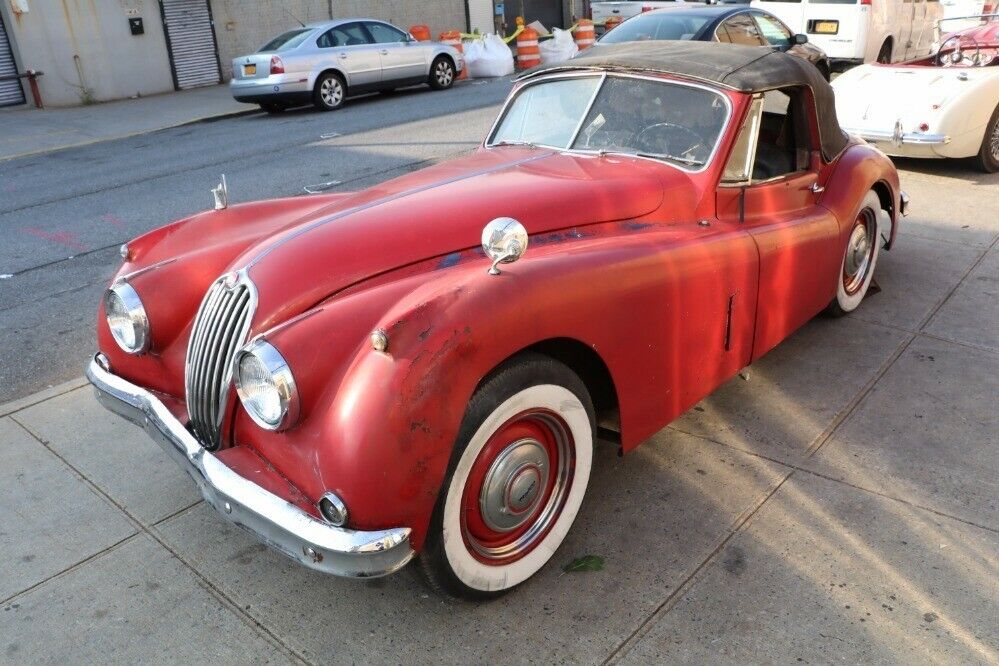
516, 481
860, 256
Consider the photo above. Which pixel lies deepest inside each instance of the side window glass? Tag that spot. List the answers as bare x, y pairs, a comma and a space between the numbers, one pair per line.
350, 34
774, 31
385, 34
740, 29
739, 167
783, 146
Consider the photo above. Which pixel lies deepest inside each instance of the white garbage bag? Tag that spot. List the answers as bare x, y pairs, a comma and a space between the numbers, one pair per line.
488, 57
559, 48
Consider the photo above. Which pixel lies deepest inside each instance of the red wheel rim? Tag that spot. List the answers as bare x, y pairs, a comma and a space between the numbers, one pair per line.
859, 251
517, 487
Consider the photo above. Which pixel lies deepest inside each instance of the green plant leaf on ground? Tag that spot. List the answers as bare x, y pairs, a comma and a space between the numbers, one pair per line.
585, 563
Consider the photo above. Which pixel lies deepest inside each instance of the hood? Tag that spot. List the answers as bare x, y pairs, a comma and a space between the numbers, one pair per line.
440, 210
874, 97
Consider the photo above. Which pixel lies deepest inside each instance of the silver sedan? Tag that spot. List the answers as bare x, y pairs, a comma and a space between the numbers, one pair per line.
324, 63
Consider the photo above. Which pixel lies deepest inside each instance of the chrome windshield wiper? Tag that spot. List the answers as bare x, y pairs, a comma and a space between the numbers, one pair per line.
654, 156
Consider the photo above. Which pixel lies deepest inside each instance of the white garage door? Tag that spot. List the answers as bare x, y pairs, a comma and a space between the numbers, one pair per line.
191, 39
10, 90
480, 16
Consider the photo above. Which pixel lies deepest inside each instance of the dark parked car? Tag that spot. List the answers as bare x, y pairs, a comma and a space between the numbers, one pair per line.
735, 24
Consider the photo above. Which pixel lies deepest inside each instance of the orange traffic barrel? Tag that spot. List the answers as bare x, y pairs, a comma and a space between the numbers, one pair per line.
421, 32
528, 53
613, 21
584, 34
453, 38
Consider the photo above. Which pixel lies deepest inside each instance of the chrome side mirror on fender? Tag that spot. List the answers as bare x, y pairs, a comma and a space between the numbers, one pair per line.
504, 240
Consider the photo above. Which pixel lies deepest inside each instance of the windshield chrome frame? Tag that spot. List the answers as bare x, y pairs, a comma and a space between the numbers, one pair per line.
603, 76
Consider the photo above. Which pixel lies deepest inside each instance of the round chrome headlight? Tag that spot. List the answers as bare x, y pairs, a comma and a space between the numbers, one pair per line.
127, 318
266, 386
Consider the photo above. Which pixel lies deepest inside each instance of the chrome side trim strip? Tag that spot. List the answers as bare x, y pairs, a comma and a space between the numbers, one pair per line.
887, 136
276, 522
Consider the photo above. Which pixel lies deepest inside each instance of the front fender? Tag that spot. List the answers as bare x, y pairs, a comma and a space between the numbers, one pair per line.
860, 168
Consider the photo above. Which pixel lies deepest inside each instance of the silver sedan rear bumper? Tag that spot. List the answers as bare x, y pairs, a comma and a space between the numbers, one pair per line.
275, 521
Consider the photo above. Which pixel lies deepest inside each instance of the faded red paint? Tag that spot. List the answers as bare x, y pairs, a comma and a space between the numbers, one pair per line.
618, 261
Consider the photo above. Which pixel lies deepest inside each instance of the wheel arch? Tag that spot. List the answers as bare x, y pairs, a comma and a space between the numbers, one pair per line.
887, 199
331, 70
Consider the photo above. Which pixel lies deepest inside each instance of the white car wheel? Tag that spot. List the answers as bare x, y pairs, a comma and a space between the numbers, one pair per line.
861, 255
519, 481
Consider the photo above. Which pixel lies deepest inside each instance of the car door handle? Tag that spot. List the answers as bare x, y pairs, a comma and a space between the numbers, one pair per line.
816, 188
343, 55
384, 51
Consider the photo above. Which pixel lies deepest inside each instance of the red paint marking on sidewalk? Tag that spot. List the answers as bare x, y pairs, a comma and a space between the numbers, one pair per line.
113, 219
64, 238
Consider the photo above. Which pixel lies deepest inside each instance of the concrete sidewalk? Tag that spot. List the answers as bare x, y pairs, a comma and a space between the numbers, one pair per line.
27, 130
839, 506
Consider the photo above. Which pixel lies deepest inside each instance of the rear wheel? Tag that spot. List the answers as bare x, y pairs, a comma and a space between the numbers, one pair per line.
330, 92
441, 73
884, 55
860, 256
516, 480
988, 155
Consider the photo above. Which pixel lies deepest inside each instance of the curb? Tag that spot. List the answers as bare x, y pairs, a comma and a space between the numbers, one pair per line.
9, 408
90, 142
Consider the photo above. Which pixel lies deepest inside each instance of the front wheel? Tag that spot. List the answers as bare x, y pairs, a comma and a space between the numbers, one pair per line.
516, 480
860, 256
988, 154
441, 73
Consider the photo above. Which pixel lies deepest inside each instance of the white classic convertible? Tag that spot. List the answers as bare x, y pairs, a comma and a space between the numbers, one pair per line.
944, 105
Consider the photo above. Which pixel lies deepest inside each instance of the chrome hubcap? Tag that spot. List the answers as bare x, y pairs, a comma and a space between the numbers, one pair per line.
331, 92
513, 485
444, 74
858, 252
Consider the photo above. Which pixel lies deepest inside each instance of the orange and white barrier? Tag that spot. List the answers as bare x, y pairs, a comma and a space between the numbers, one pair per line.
421, 32
612, 22
528, 53
584, 34
453, 38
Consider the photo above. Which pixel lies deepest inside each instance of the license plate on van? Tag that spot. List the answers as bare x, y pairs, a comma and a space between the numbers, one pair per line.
249, 70
825, 27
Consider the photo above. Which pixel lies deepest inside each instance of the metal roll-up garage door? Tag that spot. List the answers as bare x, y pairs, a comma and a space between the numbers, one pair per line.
10, 89
191, 40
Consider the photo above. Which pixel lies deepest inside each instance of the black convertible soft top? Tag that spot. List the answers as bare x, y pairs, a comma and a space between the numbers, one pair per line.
748, 69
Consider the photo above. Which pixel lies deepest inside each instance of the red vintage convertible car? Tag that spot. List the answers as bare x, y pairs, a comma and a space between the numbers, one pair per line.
355, 378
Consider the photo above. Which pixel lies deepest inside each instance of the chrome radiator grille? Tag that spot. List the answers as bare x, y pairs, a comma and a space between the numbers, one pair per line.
219, 331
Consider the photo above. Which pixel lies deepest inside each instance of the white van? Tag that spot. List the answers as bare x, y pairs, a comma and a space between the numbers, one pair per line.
852, 32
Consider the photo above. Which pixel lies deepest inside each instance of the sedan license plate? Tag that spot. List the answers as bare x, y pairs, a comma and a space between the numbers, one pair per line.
249, 70
825, 27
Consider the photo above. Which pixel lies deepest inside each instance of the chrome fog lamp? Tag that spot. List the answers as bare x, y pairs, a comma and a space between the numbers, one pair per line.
504, 240
333, 509
127, 318
266, 386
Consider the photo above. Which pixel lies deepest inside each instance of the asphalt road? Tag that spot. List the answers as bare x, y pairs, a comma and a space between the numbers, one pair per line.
63, 215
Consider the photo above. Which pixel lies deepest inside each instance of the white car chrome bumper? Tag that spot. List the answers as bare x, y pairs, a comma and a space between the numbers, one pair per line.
899, 138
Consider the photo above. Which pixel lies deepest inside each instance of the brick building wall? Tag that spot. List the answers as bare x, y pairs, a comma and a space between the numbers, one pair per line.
243, 26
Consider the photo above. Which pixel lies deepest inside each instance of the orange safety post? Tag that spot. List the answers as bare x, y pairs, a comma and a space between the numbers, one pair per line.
584, 34
528, 53
421, 32
612, 22
453, 38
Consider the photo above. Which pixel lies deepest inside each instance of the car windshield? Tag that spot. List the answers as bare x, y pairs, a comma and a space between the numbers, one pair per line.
287, 40
630, 115
665, 25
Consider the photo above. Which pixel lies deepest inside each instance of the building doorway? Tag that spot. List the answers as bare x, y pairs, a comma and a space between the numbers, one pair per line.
11, 92
190, 37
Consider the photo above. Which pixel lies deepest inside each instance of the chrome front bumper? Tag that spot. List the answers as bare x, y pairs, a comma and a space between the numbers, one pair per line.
275, 521
899, 138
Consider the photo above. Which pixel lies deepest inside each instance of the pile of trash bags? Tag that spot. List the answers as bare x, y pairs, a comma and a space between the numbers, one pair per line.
488, 57
559, 48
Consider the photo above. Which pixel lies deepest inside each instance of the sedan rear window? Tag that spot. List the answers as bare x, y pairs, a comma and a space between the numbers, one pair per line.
288, 40
655, 26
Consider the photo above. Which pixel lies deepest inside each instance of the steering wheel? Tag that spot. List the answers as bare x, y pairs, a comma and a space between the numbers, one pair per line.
679, 141
961, 42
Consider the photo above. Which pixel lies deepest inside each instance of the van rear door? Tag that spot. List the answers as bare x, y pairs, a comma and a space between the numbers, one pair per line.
791, 12
838, 27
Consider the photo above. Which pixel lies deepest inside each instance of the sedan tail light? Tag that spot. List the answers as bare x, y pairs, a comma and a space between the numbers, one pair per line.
647, 8
277, 67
